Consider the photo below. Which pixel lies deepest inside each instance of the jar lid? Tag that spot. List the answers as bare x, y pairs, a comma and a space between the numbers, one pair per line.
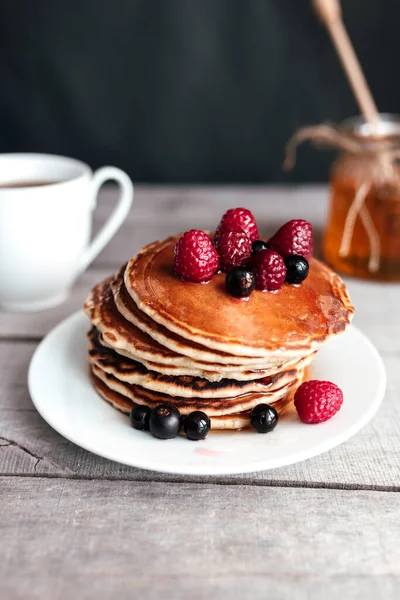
388, 126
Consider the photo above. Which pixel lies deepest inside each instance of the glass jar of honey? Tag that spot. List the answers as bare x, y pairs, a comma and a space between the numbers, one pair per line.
362, 236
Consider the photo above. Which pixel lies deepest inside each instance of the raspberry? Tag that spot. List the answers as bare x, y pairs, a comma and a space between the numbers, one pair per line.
269, 270
317, 401
239, 219
195, 258
233, 247
295, 237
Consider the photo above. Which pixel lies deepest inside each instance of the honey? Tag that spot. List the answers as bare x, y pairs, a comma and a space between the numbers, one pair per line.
350, 244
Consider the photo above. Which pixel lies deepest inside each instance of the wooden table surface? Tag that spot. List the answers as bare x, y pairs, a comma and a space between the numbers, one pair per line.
76, 526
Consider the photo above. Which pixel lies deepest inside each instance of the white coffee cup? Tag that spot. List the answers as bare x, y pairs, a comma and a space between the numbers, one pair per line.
45, 229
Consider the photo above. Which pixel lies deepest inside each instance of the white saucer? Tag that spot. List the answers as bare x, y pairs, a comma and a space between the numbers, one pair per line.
61, 390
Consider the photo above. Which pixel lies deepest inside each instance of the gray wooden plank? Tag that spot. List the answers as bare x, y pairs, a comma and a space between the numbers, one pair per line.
180, 203
376, 313
36, 325
93, 540
30, 447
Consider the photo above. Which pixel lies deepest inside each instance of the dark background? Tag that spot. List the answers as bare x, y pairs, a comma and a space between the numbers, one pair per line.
184, 90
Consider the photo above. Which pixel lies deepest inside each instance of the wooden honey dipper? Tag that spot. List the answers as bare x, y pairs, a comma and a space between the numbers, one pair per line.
330, 13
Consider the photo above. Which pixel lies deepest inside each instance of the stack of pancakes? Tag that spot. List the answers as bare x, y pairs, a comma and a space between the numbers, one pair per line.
157, 339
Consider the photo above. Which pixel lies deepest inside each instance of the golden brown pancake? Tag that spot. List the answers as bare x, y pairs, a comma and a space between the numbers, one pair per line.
295, 320
233, 421
177, 343
119, 332
212, 407
133, 372
232, 371
129, 340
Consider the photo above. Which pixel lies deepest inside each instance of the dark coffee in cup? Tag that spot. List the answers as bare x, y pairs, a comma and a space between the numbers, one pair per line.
22, 184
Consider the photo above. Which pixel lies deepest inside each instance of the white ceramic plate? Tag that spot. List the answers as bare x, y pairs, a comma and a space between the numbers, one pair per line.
61, 390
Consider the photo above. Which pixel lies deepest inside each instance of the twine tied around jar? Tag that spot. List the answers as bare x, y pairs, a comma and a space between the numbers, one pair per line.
382, 172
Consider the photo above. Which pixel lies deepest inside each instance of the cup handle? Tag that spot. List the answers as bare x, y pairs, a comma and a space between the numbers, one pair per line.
116, 218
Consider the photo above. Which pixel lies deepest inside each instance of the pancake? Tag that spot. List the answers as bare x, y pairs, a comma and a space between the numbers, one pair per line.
123, 336
212, 407
133, 372
168, 369
233, 421
293, 321
127, 307
244, 375
120, 333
